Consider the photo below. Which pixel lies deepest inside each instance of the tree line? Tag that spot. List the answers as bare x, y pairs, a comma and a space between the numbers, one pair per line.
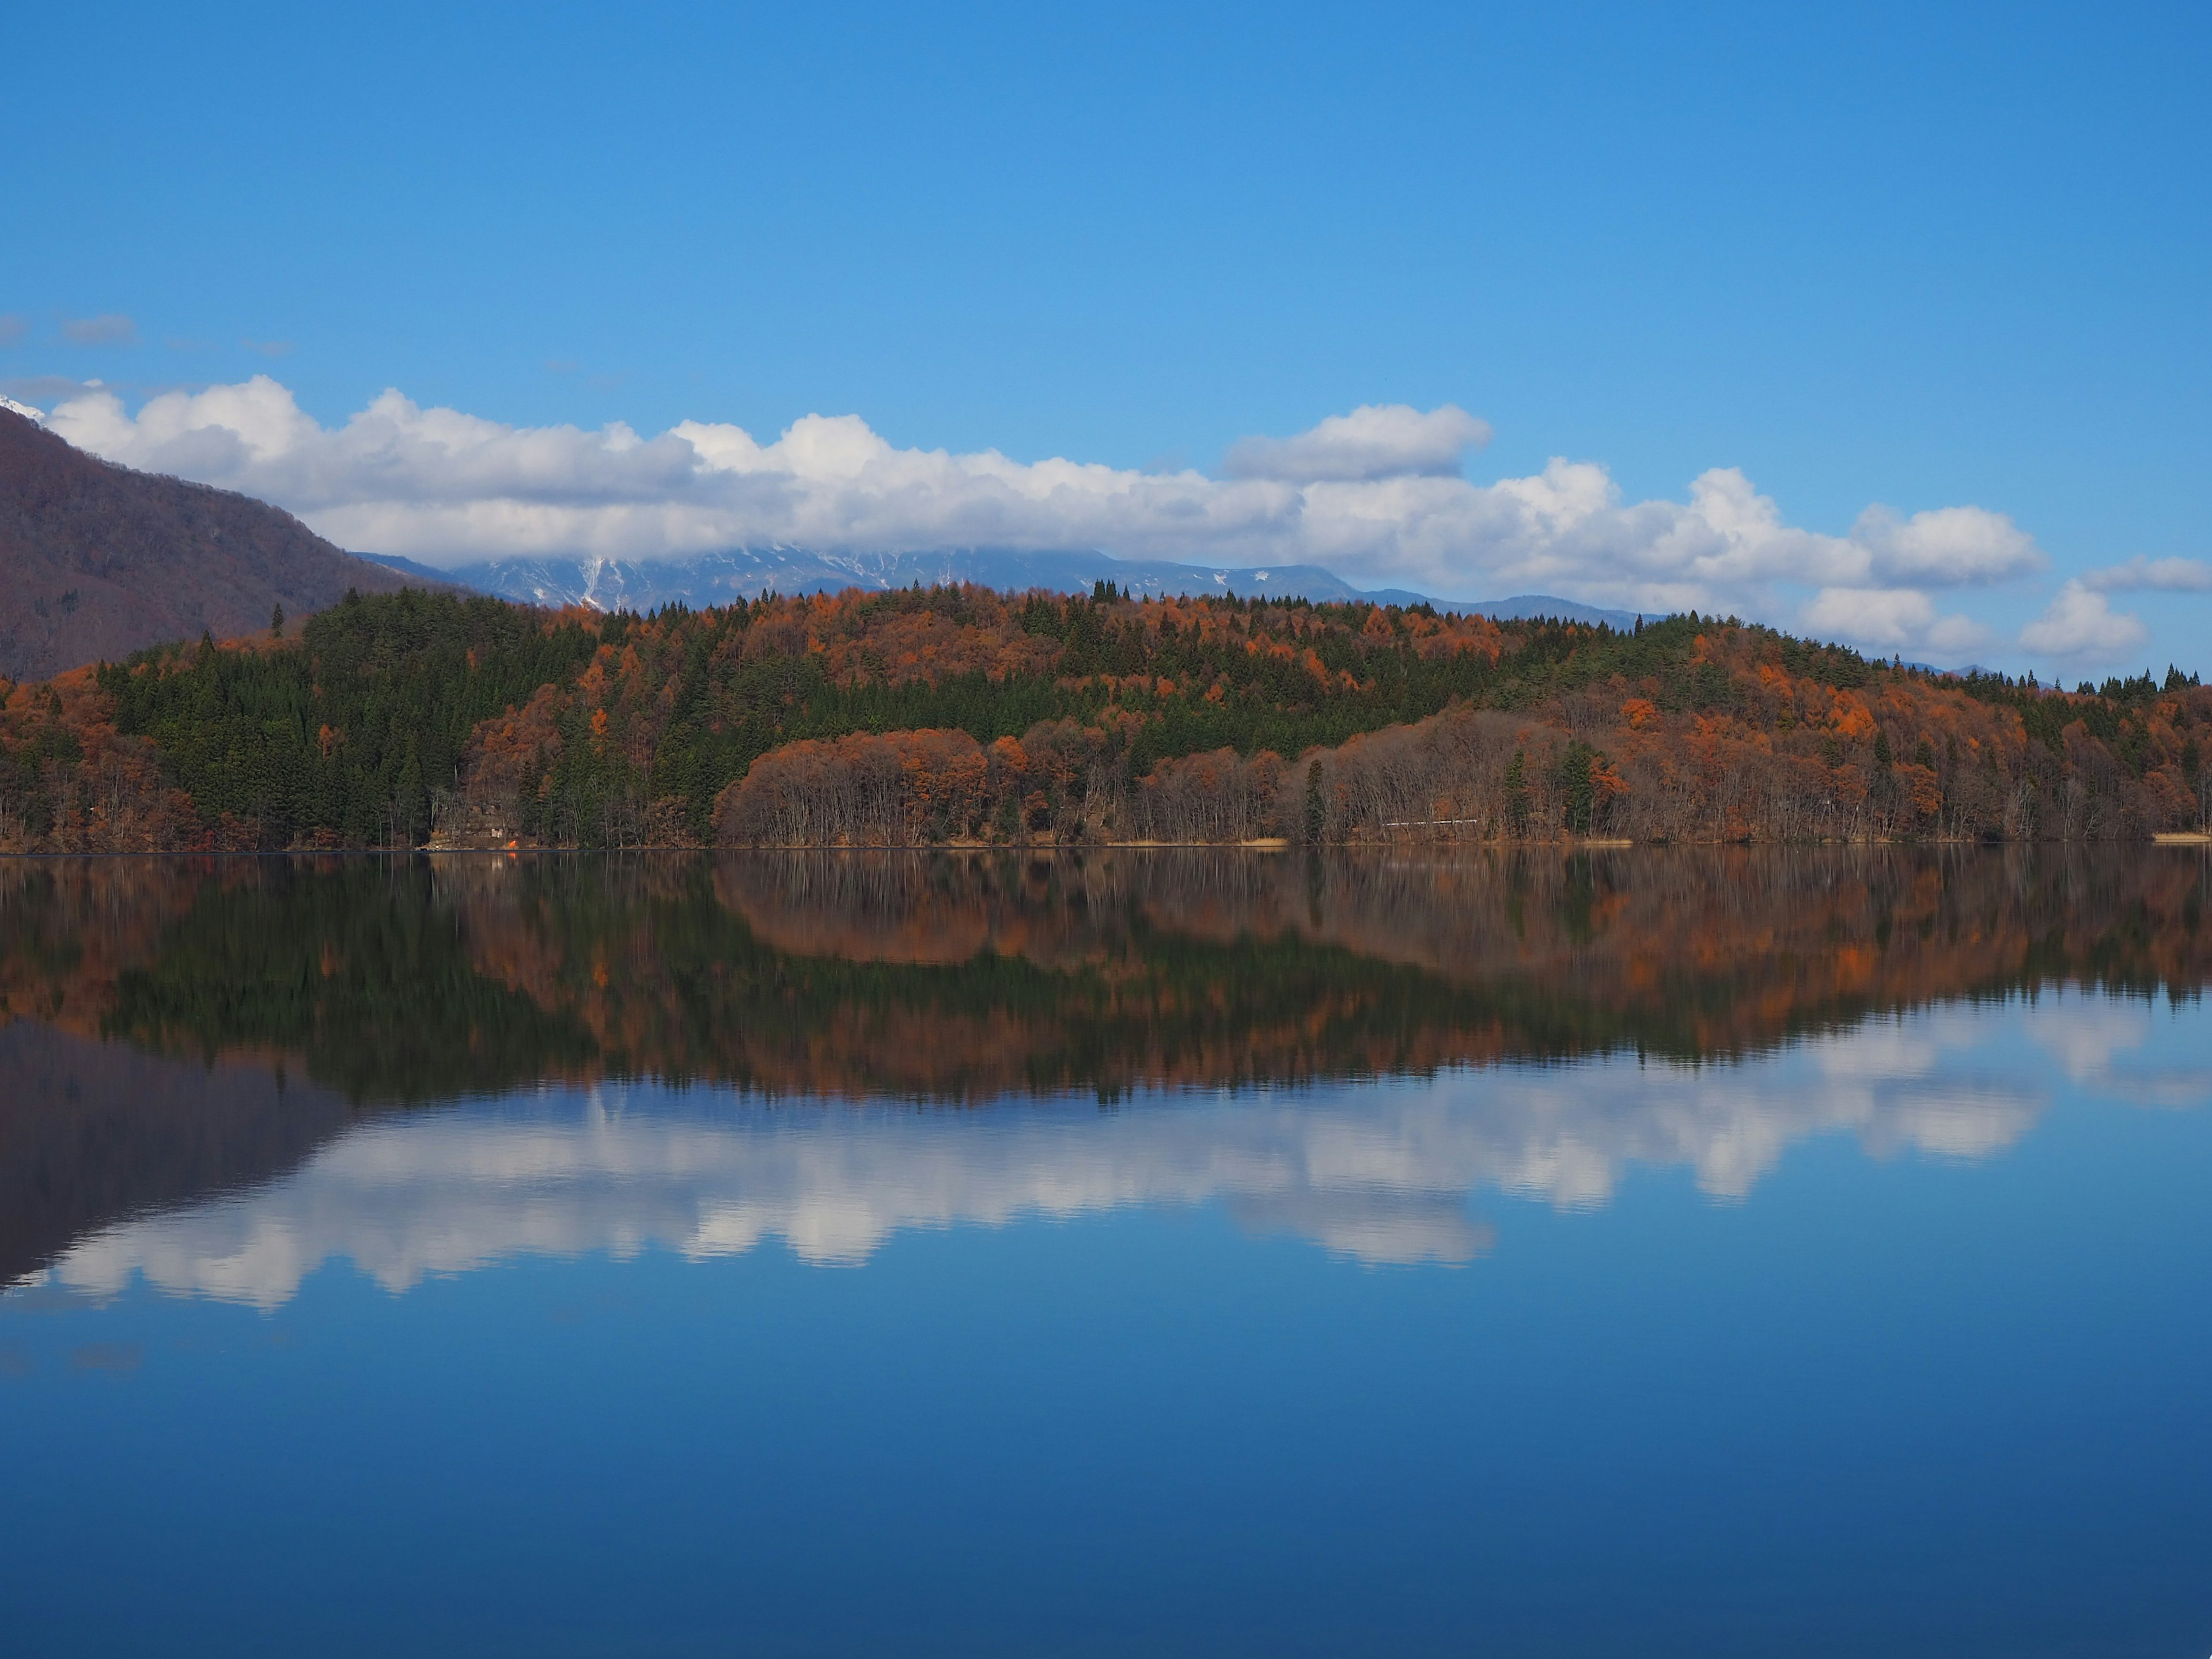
954, 715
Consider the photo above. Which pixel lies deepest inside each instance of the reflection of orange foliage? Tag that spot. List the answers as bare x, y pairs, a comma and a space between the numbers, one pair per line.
70, 927
1117, 969
1724, 951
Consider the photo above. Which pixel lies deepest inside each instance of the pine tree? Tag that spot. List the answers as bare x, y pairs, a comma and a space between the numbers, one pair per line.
1578, 792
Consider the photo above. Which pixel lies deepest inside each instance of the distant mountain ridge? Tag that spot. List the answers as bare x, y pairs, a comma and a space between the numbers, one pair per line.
97, 561
709, 579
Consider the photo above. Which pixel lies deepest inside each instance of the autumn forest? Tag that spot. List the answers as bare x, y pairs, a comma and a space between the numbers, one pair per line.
958, 717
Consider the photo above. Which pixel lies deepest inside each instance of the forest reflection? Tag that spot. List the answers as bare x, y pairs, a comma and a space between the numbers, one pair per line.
962, 978
1264, 1027
1385, 1173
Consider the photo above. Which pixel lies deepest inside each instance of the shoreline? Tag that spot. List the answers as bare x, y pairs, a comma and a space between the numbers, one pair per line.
1256, 844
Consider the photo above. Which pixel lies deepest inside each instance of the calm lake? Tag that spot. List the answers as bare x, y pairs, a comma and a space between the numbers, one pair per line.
1538, 1253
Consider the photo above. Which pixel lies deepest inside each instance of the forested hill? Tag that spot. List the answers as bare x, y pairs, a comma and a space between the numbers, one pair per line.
97, 560
956, 715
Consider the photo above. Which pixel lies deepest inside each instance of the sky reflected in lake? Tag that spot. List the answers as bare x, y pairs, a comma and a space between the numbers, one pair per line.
1390, 1172
1659, 1252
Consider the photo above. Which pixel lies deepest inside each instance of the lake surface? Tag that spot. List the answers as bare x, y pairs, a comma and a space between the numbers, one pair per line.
1638, 1252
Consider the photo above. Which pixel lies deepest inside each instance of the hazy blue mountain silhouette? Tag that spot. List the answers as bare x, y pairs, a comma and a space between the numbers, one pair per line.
707, 579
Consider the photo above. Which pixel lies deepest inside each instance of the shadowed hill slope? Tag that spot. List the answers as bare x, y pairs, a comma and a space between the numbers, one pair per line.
97, 561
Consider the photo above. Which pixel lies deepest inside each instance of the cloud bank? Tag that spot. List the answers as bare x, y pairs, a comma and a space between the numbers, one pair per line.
1376, 495
2139, 575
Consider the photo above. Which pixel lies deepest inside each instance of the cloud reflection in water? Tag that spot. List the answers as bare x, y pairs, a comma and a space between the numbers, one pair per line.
1381, 1173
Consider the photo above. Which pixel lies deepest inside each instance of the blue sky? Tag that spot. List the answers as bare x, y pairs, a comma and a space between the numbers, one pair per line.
1929, 257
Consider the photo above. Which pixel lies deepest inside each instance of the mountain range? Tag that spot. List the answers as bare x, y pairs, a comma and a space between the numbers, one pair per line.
98, 561
710, 579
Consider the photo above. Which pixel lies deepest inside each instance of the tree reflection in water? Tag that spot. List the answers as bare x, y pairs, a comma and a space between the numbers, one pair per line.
700, 1053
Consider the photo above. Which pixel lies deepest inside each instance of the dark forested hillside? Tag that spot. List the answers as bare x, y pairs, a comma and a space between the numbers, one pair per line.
98, 561
955, 715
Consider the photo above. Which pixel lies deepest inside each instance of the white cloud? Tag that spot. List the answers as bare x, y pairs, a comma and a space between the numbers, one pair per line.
2085, 1035
1374, 494
2081, 626
2167, 576
1380, 1172
1376, 440
1897, 619
13, 327
1949, 546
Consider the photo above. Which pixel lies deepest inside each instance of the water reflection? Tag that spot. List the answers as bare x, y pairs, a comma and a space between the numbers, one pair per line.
1386, 1174
223, 1075
1654, 1251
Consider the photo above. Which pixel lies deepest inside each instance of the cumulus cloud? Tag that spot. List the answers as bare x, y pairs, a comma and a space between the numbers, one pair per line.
1949, 546
1896, 619
109, 328
1375, 495
2081, 626
1381, 1173
13, 327
2139, 574
1376, 440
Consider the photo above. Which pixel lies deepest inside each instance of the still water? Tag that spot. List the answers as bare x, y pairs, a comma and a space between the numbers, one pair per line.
1645, 1252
